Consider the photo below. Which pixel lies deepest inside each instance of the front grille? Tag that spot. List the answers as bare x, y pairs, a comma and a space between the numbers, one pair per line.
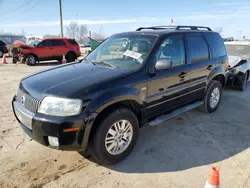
30, 103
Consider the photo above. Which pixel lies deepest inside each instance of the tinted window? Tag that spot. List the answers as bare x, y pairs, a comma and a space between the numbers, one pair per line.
217, 45
198, 48
172, 48
72, 41
45, 43
57, 43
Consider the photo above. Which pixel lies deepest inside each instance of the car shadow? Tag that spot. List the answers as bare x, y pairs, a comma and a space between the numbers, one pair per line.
193, 139
48, 63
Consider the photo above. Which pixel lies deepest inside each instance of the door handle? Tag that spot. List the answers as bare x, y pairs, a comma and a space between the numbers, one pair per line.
183, 74
209, 67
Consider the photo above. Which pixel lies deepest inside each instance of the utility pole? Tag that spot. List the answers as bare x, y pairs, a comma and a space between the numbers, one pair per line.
61, 19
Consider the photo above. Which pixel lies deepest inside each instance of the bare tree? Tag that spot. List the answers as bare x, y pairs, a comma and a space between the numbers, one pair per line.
82, 32
72, 29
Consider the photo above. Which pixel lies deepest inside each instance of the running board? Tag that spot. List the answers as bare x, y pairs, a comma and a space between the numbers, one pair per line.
162, 118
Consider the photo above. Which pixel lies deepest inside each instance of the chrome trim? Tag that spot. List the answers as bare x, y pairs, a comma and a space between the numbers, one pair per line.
23, 115
175, 97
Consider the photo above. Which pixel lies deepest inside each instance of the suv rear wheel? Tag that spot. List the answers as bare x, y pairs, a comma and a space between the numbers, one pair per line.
212, 97
115, 137
71, 56
30, 60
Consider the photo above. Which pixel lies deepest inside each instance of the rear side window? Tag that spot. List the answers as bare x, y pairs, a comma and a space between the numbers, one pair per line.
58, 43
73, 42
198, 48
217, 45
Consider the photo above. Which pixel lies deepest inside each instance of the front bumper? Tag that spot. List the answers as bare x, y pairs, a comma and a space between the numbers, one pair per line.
39, 127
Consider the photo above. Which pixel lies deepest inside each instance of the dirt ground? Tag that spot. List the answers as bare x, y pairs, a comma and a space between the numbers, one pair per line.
179, 153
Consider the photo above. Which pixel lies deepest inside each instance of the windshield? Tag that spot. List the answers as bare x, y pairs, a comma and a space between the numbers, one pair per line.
238, 50
124, 52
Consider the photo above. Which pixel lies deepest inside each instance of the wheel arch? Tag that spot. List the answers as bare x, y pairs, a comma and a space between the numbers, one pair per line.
218, 73
26, 55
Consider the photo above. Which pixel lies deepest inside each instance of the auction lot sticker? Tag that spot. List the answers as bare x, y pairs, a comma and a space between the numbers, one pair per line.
132, 54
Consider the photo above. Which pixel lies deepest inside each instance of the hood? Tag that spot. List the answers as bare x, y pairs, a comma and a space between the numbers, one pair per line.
234, 60
70, 80
20, 44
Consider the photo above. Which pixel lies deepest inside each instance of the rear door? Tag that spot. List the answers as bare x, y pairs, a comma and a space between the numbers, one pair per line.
169, 89
59, 48
201, 63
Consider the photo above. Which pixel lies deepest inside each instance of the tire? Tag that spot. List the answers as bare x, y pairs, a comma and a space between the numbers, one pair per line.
243, 81
98, 147
1, 54
215, 89
85, 154
30, 60
70, 57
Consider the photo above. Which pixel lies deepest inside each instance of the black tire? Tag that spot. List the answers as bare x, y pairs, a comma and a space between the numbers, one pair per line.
70, 57
97, 147
30, 60
85, 154
243, 81
206, 107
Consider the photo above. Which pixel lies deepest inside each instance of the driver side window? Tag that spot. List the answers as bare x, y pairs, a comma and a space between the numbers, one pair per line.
45, 43
172, 48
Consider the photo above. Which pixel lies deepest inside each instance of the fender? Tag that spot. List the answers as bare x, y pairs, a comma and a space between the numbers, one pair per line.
116, 95
243, 68
106, 99
219, 70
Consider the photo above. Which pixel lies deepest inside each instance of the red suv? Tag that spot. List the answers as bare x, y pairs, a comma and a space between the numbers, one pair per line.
51, 49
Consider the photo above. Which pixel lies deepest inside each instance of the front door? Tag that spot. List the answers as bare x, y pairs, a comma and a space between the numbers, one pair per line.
168, 89
44, 50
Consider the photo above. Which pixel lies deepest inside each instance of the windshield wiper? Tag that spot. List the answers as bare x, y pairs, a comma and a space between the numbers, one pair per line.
89, 61
103, 63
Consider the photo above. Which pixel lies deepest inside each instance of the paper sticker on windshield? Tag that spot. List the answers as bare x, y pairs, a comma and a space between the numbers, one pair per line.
132, 54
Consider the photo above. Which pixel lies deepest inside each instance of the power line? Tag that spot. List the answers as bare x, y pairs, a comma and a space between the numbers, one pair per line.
19, 7
25, 10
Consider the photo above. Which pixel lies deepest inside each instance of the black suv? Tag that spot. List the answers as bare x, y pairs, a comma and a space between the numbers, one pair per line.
131, 79
3, 48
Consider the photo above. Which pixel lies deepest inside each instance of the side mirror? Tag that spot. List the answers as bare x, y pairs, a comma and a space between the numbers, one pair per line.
34, 45
163, 64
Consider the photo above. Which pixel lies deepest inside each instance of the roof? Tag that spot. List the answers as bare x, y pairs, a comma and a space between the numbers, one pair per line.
57, 38
161, 30
237, 42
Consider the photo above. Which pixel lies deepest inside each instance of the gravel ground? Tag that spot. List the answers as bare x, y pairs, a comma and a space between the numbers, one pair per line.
179, 153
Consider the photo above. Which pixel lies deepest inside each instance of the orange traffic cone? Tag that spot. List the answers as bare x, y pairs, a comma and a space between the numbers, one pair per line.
4, 60
213, 179
64, 59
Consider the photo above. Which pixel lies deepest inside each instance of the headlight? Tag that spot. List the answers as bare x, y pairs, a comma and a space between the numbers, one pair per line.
60, 106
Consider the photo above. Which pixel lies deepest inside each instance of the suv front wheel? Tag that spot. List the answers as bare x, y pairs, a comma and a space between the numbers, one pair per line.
115, 137
212, 97
30, 60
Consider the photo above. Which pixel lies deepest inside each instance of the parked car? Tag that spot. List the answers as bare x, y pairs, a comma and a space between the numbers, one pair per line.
239, 63
3, 48
86, 44
50, 49
98, 104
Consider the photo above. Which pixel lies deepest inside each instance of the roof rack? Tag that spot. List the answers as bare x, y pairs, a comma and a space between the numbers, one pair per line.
179, 27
